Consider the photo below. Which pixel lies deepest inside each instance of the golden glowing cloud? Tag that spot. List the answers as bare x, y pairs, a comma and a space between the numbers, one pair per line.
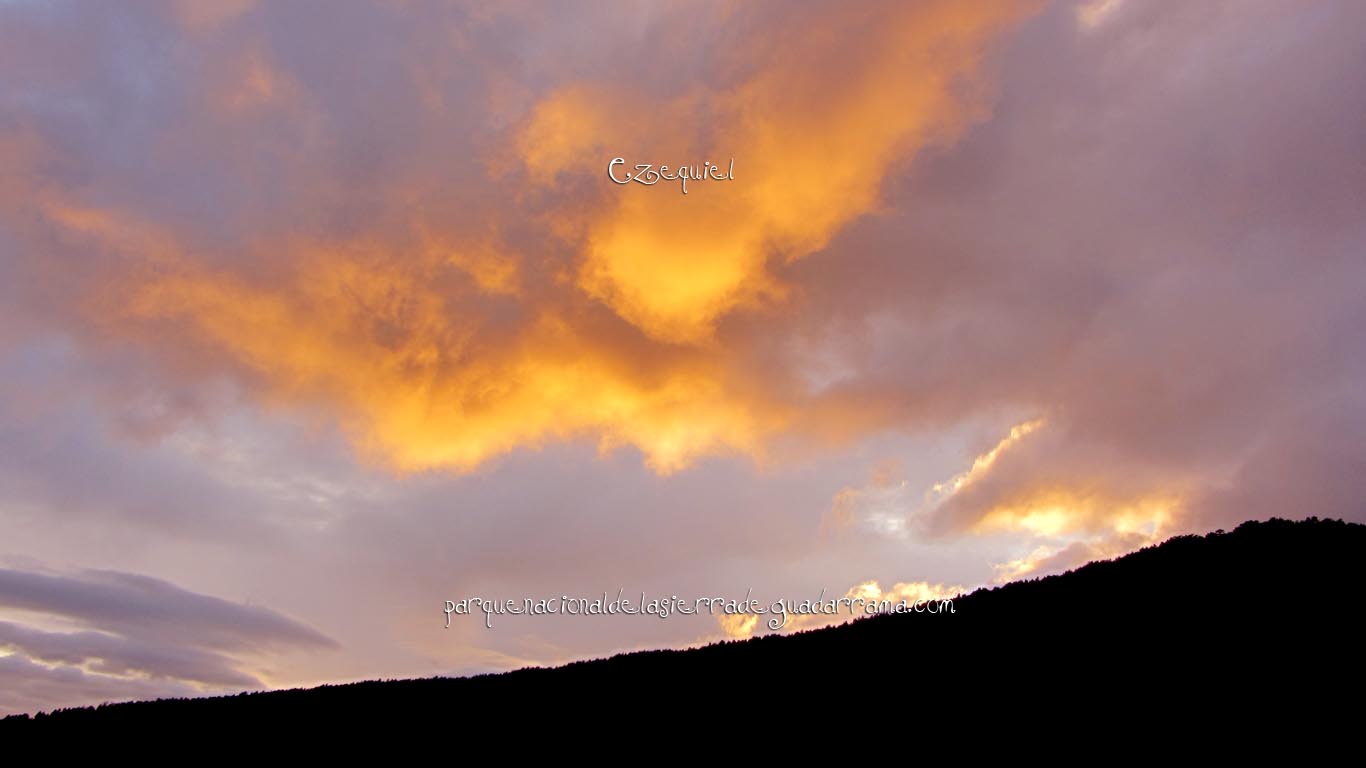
983, 463
811, 139
1061, 517
870, 597
911, 592
1066, 523
738, 626
442, 345
1046, 559
422, 389
1021, 567
1056, 512
1073, 527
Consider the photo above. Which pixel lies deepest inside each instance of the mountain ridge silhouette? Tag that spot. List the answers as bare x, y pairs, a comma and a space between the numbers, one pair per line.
1217, 617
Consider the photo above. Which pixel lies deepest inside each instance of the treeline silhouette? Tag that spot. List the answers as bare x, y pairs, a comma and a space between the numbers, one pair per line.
1267, 611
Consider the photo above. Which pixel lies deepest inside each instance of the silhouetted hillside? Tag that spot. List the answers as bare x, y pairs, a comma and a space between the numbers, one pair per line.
1197, 621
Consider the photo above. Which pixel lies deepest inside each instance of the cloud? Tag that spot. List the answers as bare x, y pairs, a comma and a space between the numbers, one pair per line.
109, 654
810, 123
237, 245
859, 601
1144, 249
135, 636
504, 297
1045, 560
33, 687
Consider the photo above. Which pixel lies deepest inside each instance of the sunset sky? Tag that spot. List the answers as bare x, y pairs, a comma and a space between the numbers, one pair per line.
314, 315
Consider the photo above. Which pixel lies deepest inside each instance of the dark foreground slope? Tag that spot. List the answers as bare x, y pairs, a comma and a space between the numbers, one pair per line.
1266, 615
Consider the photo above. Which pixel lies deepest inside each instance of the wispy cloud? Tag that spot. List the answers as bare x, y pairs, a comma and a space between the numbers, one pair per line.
126, 635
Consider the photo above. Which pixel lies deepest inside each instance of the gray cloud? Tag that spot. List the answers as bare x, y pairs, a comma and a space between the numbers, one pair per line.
144, 636
27, 686
141, 606
111, 654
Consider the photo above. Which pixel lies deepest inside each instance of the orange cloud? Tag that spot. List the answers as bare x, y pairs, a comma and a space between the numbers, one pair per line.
983, 463
738, 626
813, 126
590, 311
1046, 559
423, 385
1060, 511
1057, 508
861, 600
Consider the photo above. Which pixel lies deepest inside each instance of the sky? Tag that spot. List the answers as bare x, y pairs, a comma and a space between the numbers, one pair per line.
314, 316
